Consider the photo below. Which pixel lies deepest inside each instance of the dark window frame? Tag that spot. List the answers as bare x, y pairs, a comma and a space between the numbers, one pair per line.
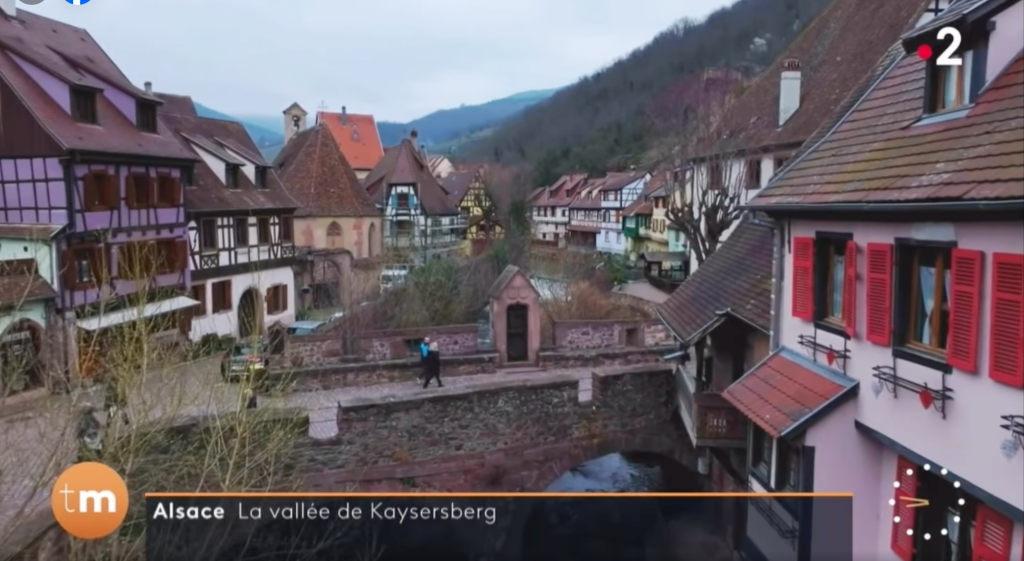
133, 190
231, 176
941, 493
933, 83
187, 177
145, 116
97, 183
168, 191
220, 302
753, 168
826, 246
760, 454
261, 177
263, 231
83, 105
287, 229
241, 229
209, 242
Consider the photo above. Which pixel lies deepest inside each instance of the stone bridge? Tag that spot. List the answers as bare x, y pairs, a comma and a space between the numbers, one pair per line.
515, 433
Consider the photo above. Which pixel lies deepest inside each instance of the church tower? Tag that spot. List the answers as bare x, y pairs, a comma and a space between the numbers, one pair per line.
294, 121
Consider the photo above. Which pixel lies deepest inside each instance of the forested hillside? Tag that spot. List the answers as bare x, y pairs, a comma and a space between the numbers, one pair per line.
605, 121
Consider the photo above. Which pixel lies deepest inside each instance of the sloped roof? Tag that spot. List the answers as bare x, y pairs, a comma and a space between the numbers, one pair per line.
457, 184
73, 57
20, 282
735, 280
221, 138
317, 175
506, 277
837, 49
621, 180
404, 165
787, 392
878, 154
591, 187
561, 192
356, 136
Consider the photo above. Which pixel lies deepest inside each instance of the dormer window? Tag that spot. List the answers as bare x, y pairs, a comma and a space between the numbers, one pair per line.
949, 88
145, 116
186, 177
231, 176
261, 177
83, 105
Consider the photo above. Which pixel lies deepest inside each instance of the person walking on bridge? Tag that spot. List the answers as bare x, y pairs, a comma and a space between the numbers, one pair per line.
424, 353
433, 366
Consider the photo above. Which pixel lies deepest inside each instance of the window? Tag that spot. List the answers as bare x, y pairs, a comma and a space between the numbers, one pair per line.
277, 299
760, 453
402, 200
753, 174
780, 162
287, 229
607, 236
198, 293
168, 191
187, 177
263, 230
84, 266
83, 105
824, 284
231, 176
100, 191
923, 299
145, 116
220, 296
139, 190
208, 234
787, 470
241, 232
261, 177
715, 175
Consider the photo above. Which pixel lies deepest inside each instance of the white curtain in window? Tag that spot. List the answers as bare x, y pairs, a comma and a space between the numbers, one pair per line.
926, 276
838, 267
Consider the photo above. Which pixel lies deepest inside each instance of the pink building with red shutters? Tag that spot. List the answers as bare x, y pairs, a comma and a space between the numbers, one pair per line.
897, 369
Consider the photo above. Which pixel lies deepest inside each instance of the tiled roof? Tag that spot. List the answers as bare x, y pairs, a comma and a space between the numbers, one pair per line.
356, 136
877, 154
735, 280
317, 175
70, 55
561, 192
177, 104
787, 392
29, 231
20, 282
591, 187
621, 180
457, 184
837, 49
639, 207
404, 165
435, 162
221, 138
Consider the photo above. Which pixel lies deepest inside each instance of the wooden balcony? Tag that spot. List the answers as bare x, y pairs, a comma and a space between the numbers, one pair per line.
710, 420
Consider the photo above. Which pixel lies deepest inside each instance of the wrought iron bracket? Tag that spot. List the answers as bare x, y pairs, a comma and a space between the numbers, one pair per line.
810, 342
1014, 424
932, 398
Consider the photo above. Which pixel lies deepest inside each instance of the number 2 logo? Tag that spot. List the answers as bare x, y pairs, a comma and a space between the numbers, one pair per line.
948, 57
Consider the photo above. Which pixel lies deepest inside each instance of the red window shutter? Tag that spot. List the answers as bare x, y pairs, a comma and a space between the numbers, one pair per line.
89, 191
902, 543
850, 289
129, 191
878, 293
993, 533
964, 307
1006, 320
803, 278
111, 193
180, 255
284, 297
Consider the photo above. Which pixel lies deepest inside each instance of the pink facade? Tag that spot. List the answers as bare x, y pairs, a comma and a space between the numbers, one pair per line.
516, 292
968, 442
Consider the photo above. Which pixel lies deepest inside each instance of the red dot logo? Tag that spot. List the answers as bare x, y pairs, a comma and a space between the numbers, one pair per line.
925, 52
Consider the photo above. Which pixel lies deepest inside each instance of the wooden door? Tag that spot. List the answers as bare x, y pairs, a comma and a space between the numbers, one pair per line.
517, 333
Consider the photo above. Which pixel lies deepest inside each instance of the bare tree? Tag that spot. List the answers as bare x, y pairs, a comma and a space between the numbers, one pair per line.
692, 118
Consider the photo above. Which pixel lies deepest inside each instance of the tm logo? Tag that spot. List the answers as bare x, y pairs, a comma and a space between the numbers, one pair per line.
89, 500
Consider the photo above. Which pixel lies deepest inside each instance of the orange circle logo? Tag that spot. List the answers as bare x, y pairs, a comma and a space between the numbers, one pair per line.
89, 500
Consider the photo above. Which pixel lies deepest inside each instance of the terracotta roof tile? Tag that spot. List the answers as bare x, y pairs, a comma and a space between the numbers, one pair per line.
561, 192
356, 136
736, 278
457, 184
317, 175
20, 282
878, 154
583, 199
837, 49
177, 104
786, 392
403, 164
72, 56
621, 180
29, 231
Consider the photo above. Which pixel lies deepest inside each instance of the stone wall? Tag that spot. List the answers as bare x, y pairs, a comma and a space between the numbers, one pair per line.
361, 373
502, 434
582, 334
334, 348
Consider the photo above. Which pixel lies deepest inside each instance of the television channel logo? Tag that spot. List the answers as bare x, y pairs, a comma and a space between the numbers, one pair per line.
89, 500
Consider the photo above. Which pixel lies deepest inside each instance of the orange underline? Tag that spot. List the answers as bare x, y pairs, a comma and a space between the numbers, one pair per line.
496, 495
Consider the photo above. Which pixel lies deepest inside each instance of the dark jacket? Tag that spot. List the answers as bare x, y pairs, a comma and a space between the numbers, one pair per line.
433, 363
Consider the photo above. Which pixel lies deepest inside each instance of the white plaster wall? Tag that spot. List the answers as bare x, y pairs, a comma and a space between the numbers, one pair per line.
225, 324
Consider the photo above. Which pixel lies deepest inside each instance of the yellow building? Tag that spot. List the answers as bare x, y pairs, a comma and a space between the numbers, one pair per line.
469, 191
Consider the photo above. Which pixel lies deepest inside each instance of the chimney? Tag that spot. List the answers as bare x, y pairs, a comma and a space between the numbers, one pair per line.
789, 90
9, 8
344, 116
414, 135
149, 87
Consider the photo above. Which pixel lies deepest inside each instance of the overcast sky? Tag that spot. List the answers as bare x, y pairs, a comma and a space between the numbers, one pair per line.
397, 59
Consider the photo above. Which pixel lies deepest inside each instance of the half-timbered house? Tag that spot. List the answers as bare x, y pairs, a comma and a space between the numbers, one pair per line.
618, 192
241, 230
81, 147
470, 193
420, 220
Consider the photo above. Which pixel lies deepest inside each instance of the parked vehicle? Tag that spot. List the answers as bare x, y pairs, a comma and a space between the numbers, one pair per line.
245, 359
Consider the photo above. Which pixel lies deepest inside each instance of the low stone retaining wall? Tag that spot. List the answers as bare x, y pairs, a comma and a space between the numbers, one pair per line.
597, 334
